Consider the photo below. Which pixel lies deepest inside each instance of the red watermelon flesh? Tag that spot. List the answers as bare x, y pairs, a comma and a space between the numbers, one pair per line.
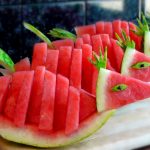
52, 60
117, 54
39, 55
86, 38
76, 68
23, 99
33, 114
61, 101
125, 27
87, 105
87, 29
79, 42
131, 94
137, 39
23, 65
48, 99
13, 93
4, 86
86, 68
64, 60
108, 29
100, 27
116, 28
73, 109
97, 43
66, 42
141, 74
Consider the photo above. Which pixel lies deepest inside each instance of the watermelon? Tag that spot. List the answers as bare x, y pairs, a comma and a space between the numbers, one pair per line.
115, 90
108, 29
72, 118
87, 29
4, 85
116, 28
87, 105
137, 39
132, 57
76, 68
47, 102
86, 73
64, 60
23, 65
23, 100
39, 55
86, 38
100, 27
66, 42
117, 54
78, 42
33, 114
61, 101
52, 60
125, 27
13, 93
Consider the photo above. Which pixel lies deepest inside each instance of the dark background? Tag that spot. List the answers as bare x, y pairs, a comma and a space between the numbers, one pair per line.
46, 14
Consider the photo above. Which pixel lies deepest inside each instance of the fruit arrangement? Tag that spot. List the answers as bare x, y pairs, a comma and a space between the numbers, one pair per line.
73, 85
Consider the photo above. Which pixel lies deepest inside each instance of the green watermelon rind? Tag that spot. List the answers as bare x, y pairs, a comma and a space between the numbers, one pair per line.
28, 137
127, 61
101, 89
147, 43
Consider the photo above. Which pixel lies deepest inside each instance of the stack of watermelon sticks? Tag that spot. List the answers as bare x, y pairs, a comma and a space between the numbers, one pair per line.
73, 85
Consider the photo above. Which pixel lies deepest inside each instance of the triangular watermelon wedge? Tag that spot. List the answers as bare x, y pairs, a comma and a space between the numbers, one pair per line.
115, 90
136, 64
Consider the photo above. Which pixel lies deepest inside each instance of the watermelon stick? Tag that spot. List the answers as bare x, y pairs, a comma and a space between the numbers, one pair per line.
38, 33
6, 62
62, 34
143, 30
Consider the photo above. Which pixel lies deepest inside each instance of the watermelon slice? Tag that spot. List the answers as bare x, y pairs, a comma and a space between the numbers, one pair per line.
116, 28
108, 29
87, 29
79, 42
100, 27
30, 135
52, 60
87, 105
39, 55
115, 90
76, 68
131, 58
61, 101
125, 27
64, 60
86, 39
4, 85
47, 104
66, 42
23, 99
86, 73
23, 65
33, 115
13, 93
134, 37
72, 118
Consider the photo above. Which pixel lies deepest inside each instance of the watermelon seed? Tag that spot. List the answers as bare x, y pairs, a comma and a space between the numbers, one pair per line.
141, 65
119, 87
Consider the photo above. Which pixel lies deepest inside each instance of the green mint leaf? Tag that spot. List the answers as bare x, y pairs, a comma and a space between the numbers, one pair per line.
6, 61
119, 87
62, 34
141, 65
38, 33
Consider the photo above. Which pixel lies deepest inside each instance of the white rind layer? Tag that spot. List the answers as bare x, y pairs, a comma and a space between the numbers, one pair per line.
147, 43
27, 135
127, 61
101, 89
